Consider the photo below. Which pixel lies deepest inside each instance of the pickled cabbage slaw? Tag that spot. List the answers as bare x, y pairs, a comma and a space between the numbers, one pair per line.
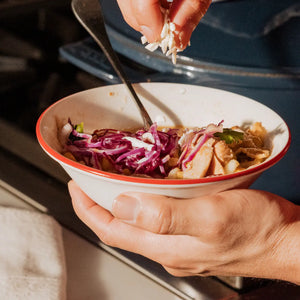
165, 153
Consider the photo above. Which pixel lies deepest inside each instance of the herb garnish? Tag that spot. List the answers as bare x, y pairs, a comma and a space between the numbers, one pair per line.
229, 135
79, 127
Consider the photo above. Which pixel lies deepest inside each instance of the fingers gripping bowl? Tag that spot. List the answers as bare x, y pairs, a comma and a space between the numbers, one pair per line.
169, 105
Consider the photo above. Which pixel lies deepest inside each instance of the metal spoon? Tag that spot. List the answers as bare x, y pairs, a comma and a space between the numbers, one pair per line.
89, 14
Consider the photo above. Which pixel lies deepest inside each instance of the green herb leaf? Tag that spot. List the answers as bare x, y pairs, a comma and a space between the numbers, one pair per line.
229, 135
79, 127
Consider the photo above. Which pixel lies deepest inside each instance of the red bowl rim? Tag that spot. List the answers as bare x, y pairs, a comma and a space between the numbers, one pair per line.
153, 181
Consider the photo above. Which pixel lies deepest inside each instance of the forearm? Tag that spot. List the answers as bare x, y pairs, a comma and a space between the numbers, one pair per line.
271, 249
282, 260
289, 253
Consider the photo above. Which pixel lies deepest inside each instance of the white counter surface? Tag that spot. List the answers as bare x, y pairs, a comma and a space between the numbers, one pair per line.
92, 273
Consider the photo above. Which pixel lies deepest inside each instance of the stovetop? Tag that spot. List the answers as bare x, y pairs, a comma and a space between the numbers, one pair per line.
245, 37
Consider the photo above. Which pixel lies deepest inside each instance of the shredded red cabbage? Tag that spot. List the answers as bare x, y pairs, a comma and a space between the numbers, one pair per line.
123, 151
142, 153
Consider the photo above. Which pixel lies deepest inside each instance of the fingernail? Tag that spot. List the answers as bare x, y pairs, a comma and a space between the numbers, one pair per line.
125, 208
148, 33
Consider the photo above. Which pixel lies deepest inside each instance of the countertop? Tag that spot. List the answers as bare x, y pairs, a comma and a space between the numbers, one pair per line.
92, 273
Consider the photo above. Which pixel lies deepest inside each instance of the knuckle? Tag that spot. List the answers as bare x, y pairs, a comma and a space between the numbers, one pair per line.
176, 272
132, 22
195, 4
157, 214
165, 220
173, 262
179, 271
105, 238
107, 235
139, 9
202, 271
219, 219
198, 7
217, 230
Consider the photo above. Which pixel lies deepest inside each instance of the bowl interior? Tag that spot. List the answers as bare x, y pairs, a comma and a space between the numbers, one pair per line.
168, 104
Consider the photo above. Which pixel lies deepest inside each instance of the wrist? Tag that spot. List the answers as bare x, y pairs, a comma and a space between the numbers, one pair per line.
293, 237
287, 255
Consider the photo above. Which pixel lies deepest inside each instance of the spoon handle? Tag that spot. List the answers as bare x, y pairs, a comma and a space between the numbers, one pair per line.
93, 22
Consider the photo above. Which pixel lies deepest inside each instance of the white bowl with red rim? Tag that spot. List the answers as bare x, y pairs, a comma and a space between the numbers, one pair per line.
169, 105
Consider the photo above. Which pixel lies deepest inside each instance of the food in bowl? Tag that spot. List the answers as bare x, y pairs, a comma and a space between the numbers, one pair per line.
169, 105
171, 153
